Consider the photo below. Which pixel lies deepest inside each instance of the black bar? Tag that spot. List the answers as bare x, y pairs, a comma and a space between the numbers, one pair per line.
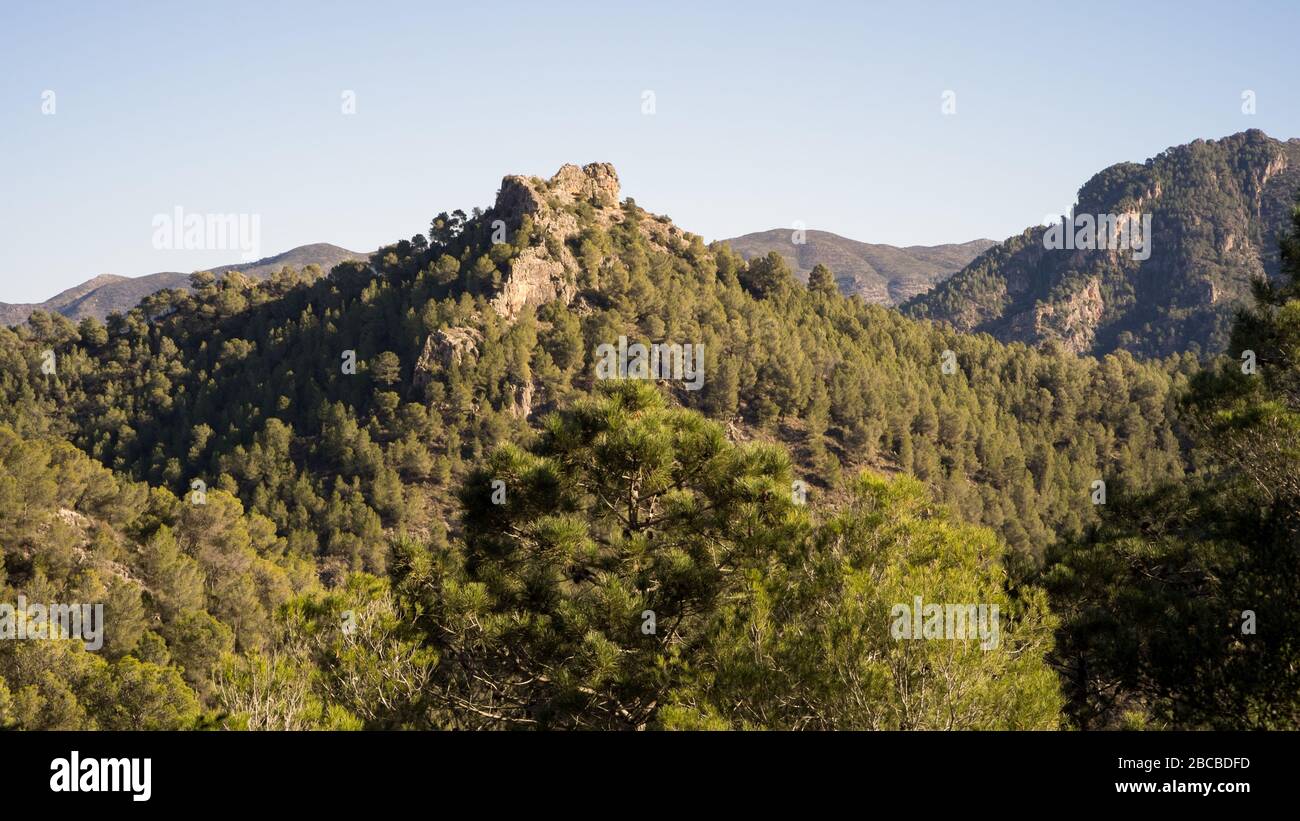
443, 771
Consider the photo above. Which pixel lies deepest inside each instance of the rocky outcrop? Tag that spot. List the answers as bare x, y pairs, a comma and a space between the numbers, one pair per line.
596, 183
546, 271
443, 348
535, 278
521, 403
1072, 320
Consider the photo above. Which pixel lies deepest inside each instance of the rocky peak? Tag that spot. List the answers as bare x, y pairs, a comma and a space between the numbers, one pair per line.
595, 183
547, 270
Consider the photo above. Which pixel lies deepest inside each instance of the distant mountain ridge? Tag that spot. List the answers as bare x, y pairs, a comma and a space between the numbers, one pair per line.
1216, 208
109, 293
882, 274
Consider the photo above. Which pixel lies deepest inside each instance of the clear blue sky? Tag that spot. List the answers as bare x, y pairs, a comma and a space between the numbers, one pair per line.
766, 113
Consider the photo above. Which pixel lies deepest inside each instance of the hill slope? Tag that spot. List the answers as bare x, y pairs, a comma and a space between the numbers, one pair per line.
1216, 208
462, 343
300, 429
883, 274
108, 293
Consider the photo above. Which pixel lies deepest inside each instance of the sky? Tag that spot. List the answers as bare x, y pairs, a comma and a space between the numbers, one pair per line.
764, 115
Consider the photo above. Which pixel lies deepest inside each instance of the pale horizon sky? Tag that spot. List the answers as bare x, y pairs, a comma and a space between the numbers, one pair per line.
765, 113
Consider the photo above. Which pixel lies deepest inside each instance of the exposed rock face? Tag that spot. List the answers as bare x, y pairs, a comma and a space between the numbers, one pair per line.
535, 279
522, 402
443, 348
1072, 320
446, 347
547, 271
595, 182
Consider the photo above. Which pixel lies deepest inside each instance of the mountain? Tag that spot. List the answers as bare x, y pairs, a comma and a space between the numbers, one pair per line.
486, 336
108, 293
431, 448
1216, 208
97, 297
302, 448
883, 274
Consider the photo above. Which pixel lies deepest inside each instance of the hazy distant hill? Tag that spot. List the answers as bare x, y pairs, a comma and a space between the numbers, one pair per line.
884, 274
108, 293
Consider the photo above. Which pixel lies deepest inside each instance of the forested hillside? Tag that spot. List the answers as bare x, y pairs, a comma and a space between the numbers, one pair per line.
883, 274
397, 495
1180, 609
